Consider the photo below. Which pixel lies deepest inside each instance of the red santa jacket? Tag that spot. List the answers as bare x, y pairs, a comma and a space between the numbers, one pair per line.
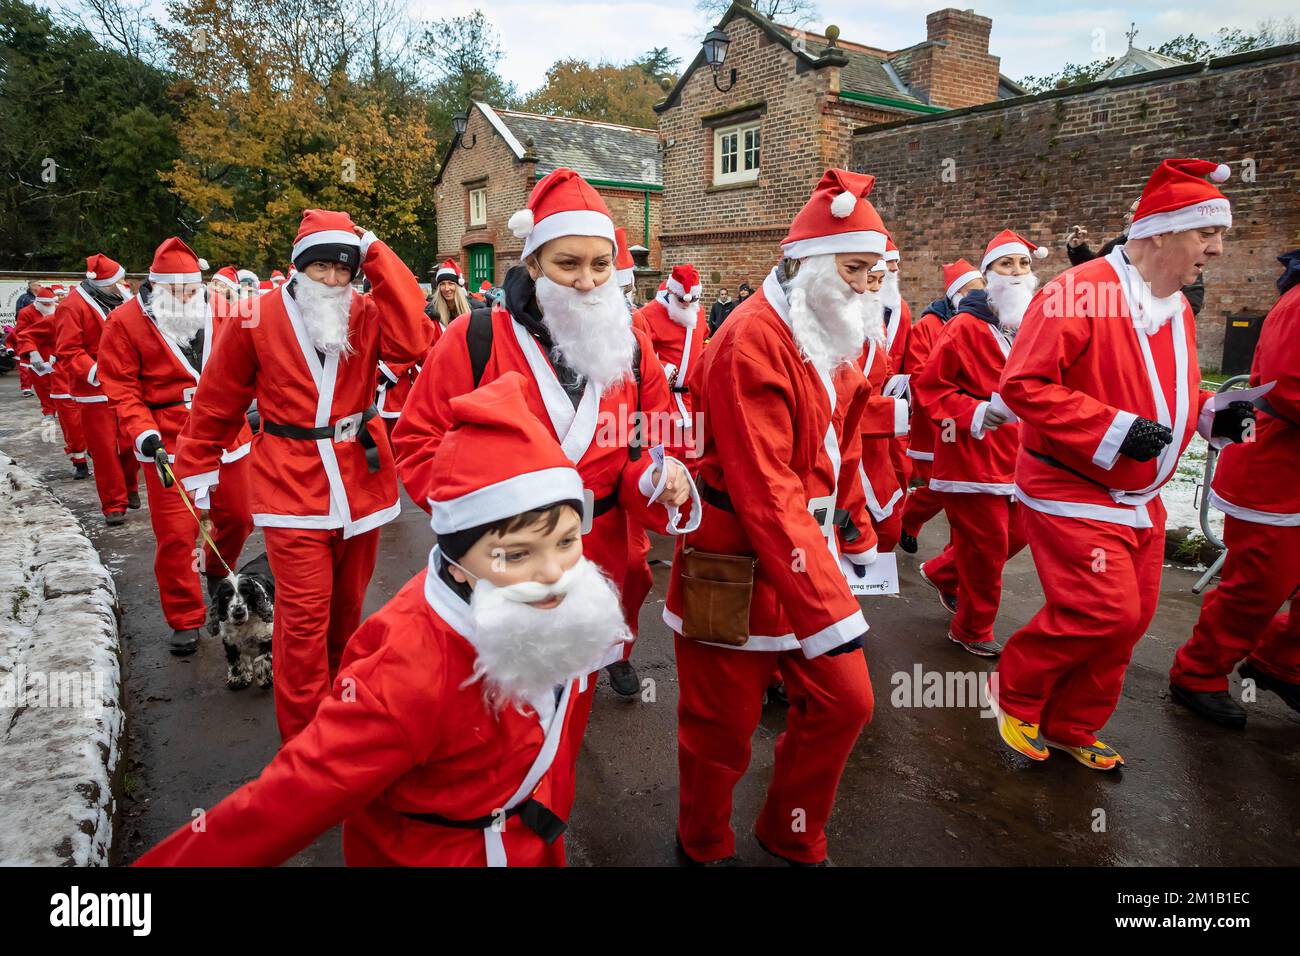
79, 325
898, 330
19, 336
955, 390
1079, 375
39, 334
782, 442
883, 419
677, 347
400, 733
594, 436
152, 381
920, 343
300, 483
1256, 480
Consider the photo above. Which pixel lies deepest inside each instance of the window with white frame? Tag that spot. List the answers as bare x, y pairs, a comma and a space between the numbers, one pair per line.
478, 206
736, 153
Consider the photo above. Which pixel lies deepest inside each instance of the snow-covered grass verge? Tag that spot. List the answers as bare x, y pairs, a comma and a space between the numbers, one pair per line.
1182, 498
60, 707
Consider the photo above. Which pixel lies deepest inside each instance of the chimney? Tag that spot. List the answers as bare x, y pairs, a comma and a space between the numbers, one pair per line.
955, 68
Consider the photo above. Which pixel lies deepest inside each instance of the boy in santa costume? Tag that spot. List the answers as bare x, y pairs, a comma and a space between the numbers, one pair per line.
1255, 487
322, 480
79, 324
563, 324
450, 734
922, 503
975, 452
154, 350
783, 398
1104, 379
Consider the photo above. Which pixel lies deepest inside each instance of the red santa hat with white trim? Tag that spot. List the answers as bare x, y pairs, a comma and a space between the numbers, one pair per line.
684, 281
45, 295
497, 460
624, 264
449, 271
837, 218
102, 272
957, 274
175, 263
324, 236
227, 276
891, 251
1008, 243
1177, 198
561, 204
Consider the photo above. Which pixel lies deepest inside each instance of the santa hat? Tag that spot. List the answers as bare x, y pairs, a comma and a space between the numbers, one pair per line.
624, 264
891, 251
248, 275
175, 263
879, 266
449, 271
227, 276
103, 272
957, 274
1008, 243
562, 204
325, 236
277, 277
44, 295
838, 218
1177, 198
684, 281
497, 460
484, 286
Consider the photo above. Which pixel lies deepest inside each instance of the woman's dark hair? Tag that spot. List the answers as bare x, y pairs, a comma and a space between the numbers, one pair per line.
455, 544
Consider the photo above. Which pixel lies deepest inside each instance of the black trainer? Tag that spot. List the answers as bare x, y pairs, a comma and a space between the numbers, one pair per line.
908, 543
115, 518
1214, 705
946, 598
1290, 693
623, 678
684, 859
786, 860
133, 500
80, 470
183, 643
776, 694
978, 648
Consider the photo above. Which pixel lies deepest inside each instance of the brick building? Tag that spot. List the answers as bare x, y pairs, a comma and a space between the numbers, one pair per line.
738, 164
488, 173
948, 182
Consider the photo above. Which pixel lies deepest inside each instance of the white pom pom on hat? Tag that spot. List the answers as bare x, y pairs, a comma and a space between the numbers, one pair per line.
203, 265
521, 223
1221, 173
842, 206
1040, 252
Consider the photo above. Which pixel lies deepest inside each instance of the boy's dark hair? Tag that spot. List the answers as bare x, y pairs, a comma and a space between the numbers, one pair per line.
456, 543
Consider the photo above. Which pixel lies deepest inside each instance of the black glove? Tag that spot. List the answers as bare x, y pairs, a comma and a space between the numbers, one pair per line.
1233, 422
151, 446
853, 645
254, 419
1145, 439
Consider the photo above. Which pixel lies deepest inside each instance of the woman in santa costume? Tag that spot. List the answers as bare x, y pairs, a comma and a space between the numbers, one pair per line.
1104, 379
460, 694
154, 350
922, 503
975, 455
323, 480
35, 339
79, 324
450, 300
1255, 487
783, 398
565, 326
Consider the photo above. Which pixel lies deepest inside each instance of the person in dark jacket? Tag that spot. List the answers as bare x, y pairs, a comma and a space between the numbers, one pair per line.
721, 309
27, 298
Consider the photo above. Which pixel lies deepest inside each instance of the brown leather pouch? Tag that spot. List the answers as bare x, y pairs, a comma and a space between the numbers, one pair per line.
716, 592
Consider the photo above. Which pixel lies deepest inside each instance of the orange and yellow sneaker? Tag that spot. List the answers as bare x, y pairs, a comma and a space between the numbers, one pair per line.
1020, 735
1096, 756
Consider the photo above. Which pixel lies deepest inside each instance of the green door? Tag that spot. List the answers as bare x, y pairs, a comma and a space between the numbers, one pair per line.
480, 266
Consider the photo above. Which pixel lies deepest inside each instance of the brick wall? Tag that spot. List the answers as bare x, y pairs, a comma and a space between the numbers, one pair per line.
1041, 165
955, 68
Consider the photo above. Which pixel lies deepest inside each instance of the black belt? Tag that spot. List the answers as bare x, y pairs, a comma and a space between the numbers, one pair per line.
601, 505
531, 813
1056, 463
347, 427
1263, 405
680, 389
162, 405
841, 519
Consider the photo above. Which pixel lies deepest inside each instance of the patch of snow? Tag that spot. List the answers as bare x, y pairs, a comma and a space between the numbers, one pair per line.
1181, 495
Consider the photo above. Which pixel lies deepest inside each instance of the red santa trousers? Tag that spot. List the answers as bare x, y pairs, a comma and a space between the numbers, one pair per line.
74, 439
175, 564
41, 385
1240, 618
320, 584
116, 470
986, 533
1101, 583
888, 529
719, 707
923, 503
637, 579
26, 377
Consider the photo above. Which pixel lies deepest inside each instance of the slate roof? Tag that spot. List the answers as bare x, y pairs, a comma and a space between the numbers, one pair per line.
599, 151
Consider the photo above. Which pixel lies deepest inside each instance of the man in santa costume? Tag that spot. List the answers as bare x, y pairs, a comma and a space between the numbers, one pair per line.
79, 325
674, 321
783, 398
1255, 487
450, 734
153, 352
1104, 379
564, 325
898, 333
322, 480
36, 341
34, 380
975, 455
922, 503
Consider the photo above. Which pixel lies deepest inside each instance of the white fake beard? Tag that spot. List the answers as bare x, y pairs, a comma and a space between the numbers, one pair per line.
890, 293
44, 309
592, 330
826, 315
1151, 314
684, 315
324, 311
1009, 296
178, 320
873, 317
524, 651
